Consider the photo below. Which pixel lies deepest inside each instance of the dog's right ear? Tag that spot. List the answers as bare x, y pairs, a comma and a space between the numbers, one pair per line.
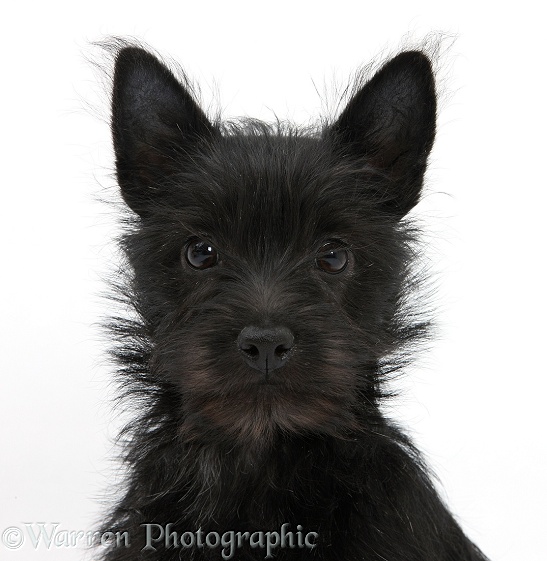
155, 124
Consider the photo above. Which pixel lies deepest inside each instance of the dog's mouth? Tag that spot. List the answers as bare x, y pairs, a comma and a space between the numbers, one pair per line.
269, 380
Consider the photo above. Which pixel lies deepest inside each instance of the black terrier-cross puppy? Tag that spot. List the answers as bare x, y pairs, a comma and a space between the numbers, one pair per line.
270, 271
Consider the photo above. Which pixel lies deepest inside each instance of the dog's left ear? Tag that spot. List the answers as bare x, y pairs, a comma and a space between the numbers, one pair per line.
389, 124
156, 126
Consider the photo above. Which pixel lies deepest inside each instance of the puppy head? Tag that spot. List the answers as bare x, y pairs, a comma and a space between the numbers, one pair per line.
270, 266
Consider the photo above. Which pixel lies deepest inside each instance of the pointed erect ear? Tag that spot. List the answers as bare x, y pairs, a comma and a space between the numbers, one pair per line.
155, 124
389, 124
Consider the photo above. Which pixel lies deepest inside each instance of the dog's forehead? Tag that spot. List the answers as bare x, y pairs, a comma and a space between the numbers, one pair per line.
278, 187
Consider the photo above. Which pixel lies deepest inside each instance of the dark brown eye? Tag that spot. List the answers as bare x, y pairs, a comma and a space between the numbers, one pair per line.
332, 258
200, 254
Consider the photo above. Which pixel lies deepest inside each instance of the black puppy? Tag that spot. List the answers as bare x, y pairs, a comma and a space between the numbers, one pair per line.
270, 273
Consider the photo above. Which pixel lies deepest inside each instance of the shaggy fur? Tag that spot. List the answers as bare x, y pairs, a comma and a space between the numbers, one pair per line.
269, 272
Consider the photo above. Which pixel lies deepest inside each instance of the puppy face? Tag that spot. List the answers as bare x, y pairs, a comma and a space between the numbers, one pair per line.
270, 266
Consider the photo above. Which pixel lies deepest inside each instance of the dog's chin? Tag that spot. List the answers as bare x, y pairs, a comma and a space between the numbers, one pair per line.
266, 407
230, 401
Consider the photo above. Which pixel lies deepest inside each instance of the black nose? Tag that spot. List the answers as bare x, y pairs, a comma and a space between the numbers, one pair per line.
265, 348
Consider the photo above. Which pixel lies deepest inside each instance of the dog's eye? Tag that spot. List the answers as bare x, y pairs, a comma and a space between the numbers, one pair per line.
332, 258
200, 254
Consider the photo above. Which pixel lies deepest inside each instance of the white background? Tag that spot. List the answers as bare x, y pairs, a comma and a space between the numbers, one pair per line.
476, 403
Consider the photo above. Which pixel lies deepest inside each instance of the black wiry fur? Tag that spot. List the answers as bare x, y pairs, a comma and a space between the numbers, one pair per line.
216, 444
